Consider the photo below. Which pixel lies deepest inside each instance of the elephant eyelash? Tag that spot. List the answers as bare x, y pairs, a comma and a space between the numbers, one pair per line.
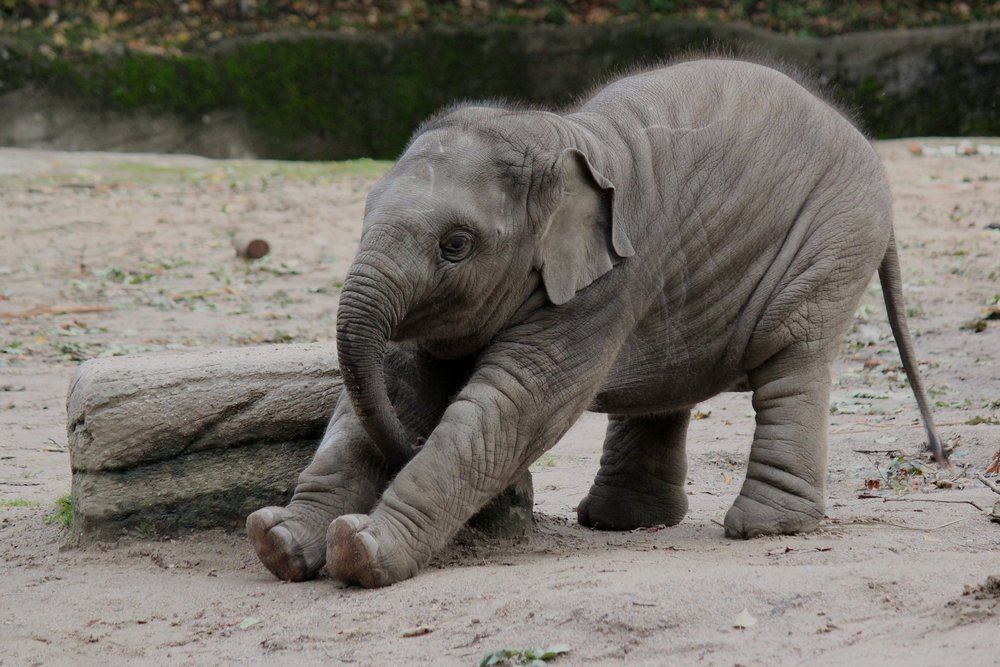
457, 245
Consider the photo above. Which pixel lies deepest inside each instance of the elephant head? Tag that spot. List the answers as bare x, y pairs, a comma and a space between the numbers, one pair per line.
483, 209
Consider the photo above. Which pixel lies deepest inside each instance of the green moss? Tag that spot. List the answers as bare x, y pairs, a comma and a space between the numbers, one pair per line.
334, 96
928, 110
183, 84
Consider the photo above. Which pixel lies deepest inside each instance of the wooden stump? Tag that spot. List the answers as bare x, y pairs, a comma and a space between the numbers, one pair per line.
176, 441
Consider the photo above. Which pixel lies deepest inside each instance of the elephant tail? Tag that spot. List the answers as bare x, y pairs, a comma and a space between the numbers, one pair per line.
892, 291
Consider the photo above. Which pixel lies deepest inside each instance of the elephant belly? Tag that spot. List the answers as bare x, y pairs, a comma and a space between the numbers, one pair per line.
651, 379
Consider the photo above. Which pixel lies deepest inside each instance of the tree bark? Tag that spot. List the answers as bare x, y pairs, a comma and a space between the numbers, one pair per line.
171, 442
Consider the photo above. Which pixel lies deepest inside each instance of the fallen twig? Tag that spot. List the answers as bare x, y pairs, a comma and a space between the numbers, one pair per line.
864, 428
61, 309
78, 186
932, 500
961, 473
792, 551
990, 484
899, 525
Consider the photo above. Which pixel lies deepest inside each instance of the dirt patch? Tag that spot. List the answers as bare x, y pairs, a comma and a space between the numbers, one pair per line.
987, 591
145, 241
978, 603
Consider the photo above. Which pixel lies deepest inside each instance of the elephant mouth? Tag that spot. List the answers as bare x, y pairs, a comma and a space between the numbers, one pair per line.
438, 337
437, 325
453, 348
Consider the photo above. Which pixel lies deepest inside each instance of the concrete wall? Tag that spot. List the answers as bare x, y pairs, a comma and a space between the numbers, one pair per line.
333, 96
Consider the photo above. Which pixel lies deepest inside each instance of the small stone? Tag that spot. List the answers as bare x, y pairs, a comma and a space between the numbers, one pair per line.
744, 620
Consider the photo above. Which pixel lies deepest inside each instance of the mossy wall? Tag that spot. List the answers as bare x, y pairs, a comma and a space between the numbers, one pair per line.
333, 96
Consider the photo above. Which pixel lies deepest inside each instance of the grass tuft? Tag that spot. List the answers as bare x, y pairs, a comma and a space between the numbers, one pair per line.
63, 513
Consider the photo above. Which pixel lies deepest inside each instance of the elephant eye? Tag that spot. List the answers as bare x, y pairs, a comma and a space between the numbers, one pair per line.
456, 246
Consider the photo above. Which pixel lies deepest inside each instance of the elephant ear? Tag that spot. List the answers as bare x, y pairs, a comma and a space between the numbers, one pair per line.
581, 241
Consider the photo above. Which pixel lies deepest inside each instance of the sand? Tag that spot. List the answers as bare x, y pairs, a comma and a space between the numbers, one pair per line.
897, 575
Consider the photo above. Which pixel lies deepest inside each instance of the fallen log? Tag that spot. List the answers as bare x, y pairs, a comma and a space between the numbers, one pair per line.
170, 442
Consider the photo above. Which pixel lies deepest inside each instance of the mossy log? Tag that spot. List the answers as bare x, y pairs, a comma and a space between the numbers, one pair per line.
177, 441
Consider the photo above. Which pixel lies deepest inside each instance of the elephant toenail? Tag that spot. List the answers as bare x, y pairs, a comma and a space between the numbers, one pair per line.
353, 522
369, 543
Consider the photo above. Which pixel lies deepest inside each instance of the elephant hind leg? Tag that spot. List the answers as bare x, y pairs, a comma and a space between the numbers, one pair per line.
784, 490
642, 475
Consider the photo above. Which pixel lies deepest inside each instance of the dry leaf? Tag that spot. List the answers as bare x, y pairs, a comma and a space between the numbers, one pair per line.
872, 362
994, 465
744, 620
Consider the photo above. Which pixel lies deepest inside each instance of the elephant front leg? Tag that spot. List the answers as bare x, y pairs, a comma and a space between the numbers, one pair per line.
344, 476
347, 474
642, 475
485, 439
784, 490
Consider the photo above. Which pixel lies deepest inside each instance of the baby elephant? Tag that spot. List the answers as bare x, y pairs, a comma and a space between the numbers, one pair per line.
705, 227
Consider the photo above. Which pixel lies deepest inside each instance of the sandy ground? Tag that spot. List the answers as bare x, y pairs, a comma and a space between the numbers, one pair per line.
896, 578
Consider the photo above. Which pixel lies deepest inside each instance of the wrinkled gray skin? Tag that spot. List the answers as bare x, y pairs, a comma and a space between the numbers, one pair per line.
696, 229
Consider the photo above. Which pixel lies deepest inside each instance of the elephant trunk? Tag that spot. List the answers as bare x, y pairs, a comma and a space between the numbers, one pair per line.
371, 305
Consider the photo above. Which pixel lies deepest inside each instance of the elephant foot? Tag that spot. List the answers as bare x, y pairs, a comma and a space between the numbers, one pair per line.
358, 553
289, 541
749, 518
616, 508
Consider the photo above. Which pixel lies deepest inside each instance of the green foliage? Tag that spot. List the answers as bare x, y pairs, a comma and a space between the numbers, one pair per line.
662, 6
546, 461
983, 420
72, 349
124, 276
556, 13
18, 502
15, 348
63, 513
160, 25
531, 657
309, 97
